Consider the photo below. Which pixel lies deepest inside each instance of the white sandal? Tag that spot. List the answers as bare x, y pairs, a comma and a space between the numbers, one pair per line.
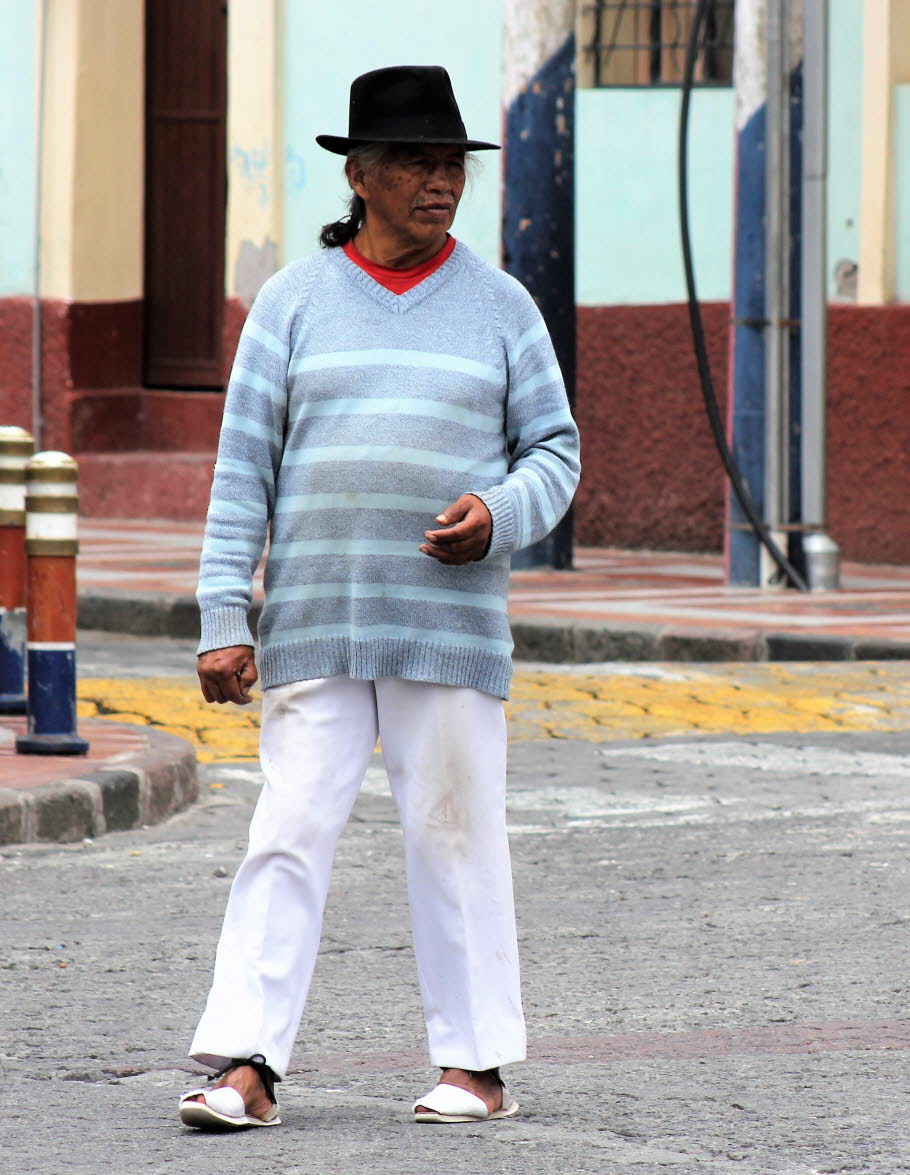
224, 1107
450, 1103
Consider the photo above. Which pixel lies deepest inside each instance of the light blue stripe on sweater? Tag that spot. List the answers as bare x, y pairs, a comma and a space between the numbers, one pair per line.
524, 512
392, 591
253, 428
533, 382
276, 392
213, 582
213, 544
239, 465
394, 455
230, 508
368, 632
404, 407
392, 358
359, 501
541, 425
532, 335
261, 335
339, 546
540, 491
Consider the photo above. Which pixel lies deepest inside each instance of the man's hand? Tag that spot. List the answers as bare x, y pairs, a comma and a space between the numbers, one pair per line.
227, 675
467, 535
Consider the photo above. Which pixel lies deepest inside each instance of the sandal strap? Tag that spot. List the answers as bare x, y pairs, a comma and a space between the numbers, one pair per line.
257, 1061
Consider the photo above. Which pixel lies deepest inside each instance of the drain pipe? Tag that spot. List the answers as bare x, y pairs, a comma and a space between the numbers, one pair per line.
821, 555
37, 331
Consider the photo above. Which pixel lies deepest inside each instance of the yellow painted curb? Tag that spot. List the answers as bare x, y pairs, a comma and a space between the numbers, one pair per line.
649, 701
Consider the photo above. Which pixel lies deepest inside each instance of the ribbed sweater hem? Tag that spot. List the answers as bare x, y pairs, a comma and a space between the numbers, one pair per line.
222, 628
386, 657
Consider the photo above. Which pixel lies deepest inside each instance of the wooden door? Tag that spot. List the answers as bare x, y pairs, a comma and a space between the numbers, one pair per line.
185, 192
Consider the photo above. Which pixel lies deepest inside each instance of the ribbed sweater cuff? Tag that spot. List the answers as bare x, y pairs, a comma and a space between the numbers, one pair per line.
223, 628
505, 537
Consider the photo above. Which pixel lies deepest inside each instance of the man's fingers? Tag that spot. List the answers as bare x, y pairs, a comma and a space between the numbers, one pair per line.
466, 539
464, 553
226, 675
464, 531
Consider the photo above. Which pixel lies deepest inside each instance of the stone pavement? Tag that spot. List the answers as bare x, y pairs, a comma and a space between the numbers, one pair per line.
139, 577
713, 933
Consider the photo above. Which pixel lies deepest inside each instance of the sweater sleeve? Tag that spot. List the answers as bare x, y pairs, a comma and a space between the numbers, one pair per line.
541, 438
249, 455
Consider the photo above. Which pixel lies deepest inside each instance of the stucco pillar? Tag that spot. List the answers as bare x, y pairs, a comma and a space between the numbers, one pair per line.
92, 160
254, 135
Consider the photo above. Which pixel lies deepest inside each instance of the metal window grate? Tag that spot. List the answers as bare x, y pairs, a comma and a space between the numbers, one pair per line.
643, 42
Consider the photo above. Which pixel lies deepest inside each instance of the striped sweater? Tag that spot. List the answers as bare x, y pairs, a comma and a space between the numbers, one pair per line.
353, 417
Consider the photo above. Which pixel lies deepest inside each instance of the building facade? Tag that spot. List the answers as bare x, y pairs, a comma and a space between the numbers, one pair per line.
157, 163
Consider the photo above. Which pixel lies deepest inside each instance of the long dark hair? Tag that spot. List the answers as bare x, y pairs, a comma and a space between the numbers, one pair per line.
339, 232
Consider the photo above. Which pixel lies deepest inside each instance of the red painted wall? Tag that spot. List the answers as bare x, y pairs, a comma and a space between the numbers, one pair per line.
651, 477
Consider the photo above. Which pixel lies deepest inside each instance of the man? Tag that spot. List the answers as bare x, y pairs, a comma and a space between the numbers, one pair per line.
397, 422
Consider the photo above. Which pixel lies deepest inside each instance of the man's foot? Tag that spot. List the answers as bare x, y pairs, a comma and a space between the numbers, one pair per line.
249, 1085
485, 1085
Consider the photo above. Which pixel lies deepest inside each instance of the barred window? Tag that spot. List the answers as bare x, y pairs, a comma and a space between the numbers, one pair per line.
643, 42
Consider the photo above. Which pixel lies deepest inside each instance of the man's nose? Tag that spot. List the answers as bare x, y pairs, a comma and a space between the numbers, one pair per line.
439, 177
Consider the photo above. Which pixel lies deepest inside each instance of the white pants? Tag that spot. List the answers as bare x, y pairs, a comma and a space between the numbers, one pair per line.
444, 751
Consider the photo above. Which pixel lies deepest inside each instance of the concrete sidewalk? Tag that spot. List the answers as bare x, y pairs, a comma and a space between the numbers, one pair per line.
139, 578
132, 776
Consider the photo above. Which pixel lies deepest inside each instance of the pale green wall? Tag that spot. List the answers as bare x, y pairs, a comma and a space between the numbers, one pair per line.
902, 193
17, 147
628, 247
845, 76
628, 234
326, 46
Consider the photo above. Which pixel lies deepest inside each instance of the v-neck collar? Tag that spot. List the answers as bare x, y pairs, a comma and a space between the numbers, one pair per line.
399, 303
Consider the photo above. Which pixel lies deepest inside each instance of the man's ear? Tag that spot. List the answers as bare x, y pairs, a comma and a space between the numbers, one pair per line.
356, 177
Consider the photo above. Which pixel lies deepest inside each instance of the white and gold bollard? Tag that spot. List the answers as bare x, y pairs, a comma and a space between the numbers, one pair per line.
51, 545
16, 446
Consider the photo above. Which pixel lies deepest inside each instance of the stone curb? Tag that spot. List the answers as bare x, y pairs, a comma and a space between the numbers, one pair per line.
568, 642
130, 790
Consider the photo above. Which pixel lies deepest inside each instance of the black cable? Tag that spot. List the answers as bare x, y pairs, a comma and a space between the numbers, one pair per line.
731, 468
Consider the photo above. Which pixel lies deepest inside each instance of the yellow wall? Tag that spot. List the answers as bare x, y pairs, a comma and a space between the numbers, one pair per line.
886, 63
92, 173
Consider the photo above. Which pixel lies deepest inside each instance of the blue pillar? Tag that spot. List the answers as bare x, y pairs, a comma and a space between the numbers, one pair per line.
538, 230
747, 390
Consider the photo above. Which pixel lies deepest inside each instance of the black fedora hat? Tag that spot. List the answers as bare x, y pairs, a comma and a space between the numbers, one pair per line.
403, 104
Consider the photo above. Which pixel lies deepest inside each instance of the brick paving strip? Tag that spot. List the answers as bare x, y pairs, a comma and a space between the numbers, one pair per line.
759, 1040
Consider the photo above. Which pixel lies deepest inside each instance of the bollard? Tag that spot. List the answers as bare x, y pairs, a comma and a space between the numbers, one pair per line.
50, 545
16, 446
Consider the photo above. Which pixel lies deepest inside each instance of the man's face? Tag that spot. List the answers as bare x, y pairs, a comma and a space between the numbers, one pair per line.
413, 192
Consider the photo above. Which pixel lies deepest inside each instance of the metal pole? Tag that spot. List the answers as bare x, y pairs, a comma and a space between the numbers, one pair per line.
820, 554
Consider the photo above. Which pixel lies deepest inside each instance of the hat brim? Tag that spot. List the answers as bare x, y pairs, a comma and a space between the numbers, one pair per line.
341, 146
